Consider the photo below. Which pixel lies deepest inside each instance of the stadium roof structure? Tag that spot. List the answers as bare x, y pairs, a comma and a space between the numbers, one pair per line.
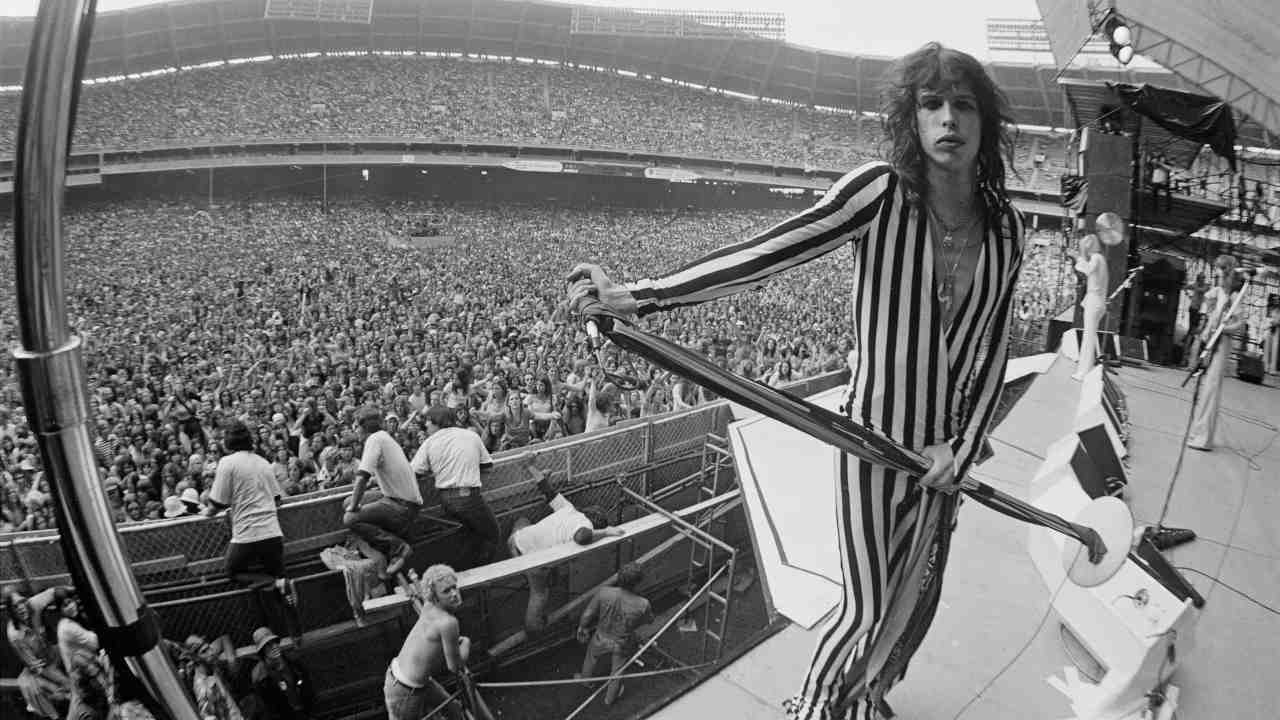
1229, 50
193, 32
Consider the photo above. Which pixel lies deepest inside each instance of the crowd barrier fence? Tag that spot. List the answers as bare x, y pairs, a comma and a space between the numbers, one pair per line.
191, 548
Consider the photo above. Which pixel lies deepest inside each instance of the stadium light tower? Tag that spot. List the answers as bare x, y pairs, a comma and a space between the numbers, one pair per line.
1119, 37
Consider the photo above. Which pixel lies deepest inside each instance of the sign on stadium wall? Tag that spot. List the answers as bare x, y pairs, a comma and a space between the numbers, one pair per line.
582, 168
543, 166
671, 174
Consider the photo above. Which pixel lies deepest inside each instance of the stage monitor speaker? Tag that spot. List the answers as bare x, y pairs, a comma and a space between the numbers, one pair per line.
1157, 291
1132, 348
1095, 408
1139, 642
1249, 367
1108, 345
1096, 464
1108, 169
1114, 401
1087, 473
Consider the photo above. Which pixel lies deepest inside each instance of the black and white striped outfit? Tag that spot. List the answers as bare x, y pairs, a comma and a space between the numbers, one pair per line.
915, 379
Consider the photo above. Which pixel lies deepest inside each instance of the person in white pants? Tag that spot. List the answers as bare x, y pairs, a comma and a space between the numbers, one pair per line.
1093, 266
1219, 300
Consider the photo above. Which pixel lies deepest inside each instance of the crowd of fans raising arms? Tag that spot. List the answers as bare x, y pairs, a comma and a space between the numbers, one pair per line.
291, 319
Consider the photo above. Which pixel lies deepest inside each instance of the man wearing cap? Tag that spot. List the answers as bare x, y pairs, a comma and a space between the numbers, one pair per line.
385, 522
191, 500
459, 461
115, 498
282, 684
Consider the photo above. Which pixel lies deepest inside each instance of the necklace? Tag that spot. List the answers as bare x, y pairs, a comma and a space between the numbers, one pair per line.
947, 288
949, 232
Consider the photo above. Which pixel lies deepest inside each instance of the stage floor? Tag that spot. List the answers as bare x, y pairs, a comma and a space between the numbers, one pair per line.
994, 601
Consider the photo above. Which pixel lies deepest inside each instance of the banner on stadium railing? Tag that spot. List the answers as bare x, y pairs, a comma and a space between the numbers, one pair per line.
580, 168
542, 166
670, 174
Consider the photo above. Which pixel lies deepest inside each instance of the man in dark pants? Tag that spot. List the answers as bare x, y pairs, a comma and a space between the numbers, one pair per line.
244, 484
385, 522
458, 459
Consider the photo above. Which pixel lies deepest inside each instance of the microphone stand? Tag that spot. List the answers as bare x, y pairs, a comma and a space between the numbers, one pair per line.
1161, 536
818, 422
1106, 310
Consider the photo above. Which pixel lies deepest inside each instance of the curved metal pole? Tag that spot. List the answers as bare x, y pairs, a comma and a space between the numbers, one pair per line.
49, 360
831, 428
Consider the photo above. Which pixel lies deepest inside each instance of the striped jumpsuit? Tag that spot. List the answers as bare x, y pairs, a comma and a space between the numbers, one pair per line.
914, 378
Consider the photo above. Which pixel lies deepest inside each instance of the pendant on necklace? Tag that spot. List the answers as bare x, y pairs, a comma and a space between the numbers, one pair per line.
945, 289
946, 240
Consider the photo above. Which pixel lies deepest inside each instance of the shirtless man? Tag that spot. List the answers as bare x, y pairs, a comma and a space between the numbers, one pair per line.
433, 646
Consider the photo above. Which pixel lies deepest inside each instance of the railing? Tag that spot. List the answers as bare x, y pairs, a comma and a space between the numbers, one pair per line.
187, 548
210, 145
226, 145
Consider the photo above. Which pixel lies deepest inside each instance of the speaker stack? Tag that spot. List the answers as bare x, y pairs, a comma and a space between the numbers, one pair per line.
1140, 623
1108, 168
1249, 367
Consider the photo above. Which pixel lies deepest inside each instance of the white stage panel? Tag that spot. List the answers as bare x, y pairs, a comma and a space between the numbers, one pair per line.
788, 485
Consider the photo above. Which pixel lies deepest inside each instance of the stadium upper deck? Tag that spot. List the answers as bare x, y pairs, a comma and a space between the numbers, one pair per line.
193, 32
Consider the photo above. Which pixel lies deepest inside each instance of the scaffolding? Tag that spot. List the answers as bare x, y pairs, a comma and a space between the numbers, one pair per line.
708, 580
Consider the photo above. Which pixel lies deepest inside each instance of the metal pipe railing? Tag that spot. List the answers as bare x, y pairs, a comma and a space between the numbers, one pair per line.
832, 428
51, 367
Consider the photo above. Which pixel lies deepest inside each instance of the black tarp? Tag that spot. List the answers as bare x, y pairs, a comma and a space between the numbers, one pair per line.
1198, 118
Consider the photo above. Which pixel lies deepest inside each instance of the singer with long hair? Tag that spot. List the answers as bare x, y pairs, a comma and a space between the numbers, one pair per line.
936, 249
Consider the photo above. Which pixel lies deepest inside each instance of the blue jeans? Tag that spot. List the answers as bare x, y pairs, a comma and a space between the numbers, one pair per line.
410, 703
383, 524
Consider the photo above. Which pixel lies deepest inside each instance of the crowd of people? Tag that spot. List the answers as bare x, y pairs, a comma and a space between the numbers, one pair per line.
268, 348
451, 100
290, 319
1046, 287
67, 673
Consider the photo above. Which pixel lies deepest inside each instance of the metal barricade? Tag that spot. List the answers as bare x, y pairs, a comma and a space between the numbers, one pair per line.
190, 549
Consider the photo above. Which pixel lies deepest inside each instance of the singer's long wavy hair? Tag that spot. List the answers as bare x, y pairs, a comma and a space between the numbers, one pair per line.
935, 67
